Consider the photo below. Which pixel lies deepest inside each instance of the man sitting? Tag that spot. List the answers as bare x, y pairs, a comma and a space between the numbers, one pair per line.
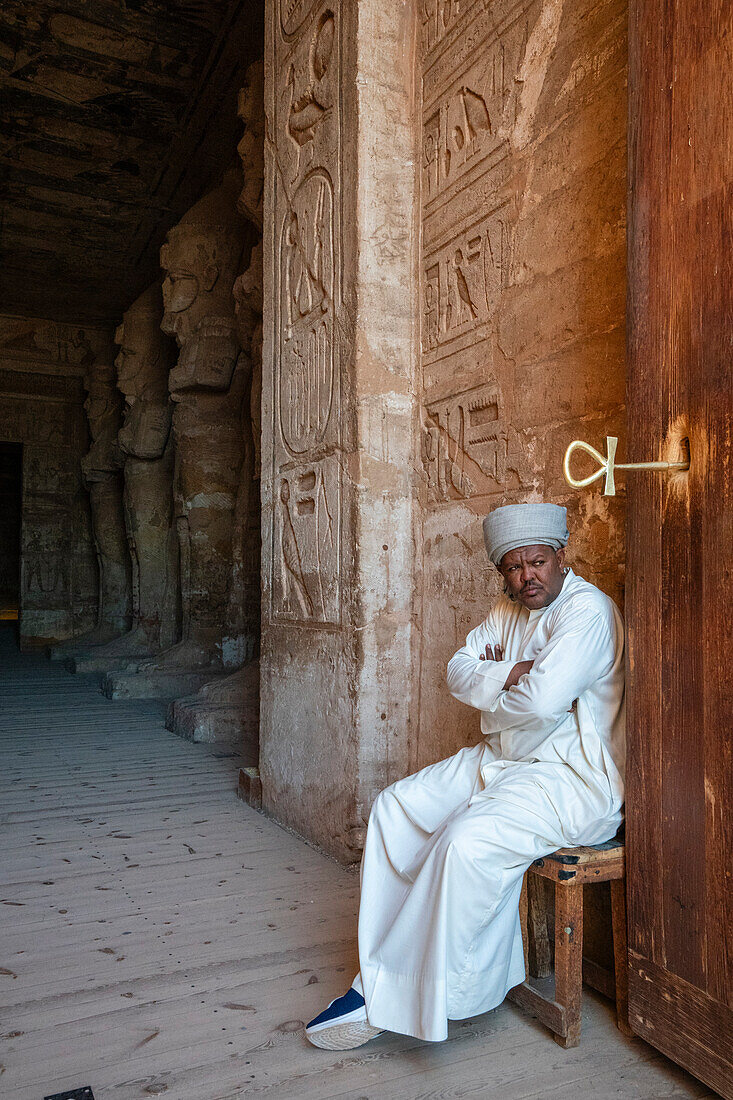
447, 848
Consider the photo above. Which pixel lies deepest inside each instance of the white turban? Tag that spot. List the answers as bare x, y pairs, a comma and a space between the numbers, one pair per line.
524, 525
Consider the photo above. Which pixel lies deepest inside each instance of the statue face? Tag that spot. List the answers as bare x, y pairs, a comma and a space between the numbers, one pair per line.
129, 362
98, 406
190, 285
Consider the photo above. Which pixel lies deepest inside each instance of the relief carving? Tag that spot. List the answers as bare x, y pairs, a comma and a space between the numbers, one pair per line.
306, 415
307, 99
306, 584
306, 367
31, 338
462, 284
464, 444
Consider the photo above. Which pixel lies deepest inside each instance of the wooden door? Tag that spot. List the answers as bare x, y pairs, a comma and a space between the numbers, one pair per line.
680, 545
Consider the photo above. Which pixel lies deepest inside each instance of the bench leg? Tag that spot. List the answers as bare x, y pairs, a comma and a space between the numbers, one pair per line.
538, 905
620, 954
569, 959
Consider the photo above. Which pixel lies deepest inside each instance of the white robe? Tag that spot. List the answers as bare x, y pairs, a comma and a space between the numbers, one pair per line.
447, 848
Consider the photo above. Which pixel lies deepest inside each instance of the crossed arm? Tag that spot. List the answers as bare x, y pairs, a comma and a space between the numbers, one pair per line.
534, 694
496, 653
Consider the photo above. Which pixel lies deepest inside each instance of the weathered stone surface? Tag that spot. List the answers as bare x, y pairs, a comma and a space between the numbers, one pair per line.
42, 365
102, 478
338, 409
226, 710
145, 449
208, 383
522, 291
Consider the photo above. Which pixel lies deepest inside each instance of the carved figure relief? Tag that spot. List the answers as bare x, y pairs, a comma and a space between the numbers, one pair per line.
46, 559
31, 338
461, 284
307, 474
307, 543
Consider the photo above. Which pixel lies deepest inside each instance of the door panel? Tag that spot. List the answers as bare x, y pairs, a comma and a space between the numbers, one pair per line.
680, 532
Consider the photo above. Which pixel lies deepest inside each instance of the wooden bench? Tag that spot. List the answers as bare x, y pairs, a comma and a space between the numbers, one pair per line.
570, 869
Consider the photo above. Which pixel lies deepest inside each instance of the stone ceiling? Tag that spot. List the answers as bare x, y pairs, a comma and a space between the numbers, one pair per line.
115, 116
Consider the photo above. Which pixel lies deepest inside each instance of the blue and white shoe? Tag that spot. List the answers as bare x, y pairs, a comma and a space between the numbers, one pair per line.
343, 1025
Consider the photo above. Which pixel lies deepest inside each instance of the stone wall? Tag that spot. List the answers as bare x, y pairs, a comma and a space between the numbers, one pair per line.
522, 298
42, 407
338, 411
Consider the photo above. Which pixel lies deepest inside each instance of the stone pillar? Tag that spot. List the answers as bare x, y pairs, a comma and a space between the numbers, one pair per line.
338, 413
201, 258
145, 448
102, 478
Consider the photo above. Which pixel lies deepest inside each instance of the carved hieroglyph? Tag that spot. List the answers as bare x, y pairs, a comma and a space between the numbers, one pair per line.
145, 449
201, 259
103, 480
306, 556
338, 408
521, 235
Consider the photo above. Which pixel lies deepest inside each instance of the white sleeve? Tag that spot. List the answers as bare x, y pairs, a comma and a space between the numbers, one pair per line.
579, 650
474, 681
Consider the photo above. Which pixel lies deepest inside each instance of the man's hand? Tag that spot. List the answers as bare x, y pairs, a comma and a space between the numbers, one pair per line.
497, 654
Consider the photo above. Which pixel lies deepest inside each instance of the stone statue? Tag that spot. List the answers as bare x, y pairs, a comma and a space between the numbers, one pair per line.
243, 609
103, 480
145, 451
201, 258
228, 710
251, 148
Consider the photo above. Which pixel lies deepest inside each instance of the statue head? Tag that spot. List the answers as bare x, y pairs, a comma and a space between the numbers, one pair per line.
144, 353
201, 257
248, 297
103, 403
251, 148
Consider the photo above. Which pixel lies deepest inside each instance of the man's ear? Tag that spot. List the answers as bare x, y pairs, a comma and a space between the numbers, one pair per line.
560, 557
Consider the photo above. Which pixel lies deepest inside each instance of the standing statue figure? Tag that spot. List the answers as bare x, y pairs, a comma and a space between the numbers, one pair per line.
201, 258
145, 451
102, 479
243, 608
228, 709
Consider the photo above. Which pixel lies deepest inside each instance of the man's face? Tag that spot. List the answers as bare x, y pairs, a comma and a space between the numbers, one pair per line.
533, 575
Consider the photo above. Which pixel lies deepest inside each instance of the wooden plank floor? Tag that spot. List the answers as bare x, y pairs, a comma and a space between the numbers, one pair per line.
159, 938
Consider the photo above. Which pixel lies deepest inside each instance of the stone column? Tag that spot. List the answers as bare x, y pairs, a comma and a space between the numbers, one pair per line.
201, 258
145, 449
102, 479
338, 413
